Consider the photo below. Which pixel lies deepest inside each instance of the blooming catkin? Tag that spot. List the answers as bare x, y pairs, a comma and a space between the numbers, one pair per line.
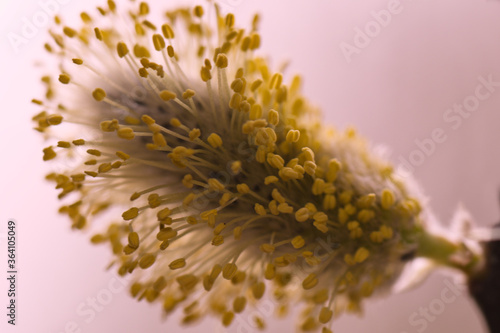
211, 176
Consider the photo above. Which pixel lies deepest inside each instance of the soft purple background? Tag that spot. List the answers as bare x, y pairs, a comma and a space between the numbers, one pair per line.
395, 91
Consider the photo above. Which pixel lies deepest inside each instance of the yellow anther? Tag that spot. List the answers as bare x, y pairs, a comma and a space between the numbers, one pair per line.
292, 136
205, 74
122, 49
225, 199
270, 272
321, 226
277, 196
270, 180
158, 42
311, 208
352, 225
298, 242
159, 140
77, 61
163, 214
350, 209
243, 188
329, 188
349, 260
111, 5
366, 201
310, 281
194, 134
188, 94
302, 214
214, 140
273, 117
147, 120
387, 232
273, 207
258, 290
267, 248
69, 32
48, 153
130, 214
91, 173
260, 210
122, 155
325, 315
99, 94
239, 304
167, 95
219, 228
192, 220
147, 260
94, 152
237, 85
356, 233
170, 51
187, 181
133, 240
235, 101
177, 264
387, 199
229, 271
376, 237
85, 17
64, 78
167, 31
365, 215
188, 199
285, 208
126, 133
108, 126
329, 202
98, 34
320, 217
227, 318
276, 81
361, 255
143, 8
104, 167
215, 185
229, 20
166, 233
217, 240
276, 161
318, 186
307, 154
221, 60
310, 168
245, 44
235, 167
198, 11
80, 177
132, 120
54, 119
255, 43
333, 169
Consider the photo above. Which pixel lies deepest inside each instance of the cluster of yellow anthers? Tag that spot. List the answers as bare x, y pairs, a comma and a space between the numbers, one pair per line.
231, 186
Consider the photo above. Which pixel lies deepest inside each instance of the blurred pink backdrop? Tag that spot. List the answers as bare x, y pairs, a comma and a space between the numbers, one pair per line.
396, 88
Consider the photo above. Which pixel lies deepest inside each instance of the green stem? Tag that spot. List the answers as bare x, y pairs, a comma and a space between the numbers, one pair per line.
446, 253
